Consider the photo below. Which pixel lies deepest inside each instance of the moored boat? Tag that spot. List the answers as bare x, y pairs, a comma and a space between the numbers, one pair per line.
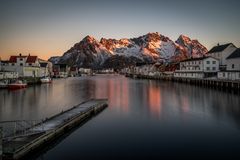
46, 80
17, 85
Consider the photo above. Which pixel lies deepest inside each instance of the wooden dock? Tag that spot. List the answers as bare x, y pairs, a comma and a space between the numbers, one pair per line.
16, 147
222, 84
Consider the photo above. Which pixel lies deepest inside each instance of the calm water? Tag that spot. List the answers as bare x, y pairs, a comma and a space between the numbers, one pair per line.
145, 118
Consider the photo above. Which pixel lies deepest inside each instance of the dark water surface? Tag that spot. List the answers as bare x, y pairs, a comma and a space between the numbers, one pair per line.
145, 118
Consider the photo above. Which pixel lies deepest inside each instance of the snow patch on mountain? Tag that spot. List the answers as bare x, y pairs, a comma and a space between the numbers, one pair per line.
150, 47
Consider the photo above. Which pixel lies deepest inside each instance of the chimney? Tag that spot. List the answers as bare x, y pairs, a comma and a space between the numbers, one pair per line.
218, 44
20, 54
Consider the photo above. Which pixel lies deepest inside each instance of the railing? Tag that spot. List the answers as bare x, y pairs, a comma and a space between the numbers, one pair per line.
18, 128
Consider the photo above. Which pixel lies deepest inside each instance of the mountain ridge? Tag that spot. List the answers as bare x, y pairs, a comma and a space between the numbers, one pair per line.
151, 47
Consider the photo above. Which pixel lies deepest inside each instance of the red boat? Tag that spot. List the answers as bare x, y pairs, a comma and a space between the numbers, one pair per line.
17, 85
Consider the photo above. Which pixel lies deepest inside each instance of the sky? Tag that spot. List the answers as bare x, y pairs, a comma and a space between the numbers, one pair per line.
50, 27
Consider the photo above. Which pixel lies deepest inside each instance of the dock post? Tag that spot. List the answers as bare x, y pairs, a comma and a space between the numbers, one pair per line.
1, 148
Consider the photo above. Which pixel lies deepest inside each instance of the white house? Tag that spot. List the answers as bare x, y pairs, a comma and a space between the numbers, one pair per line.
233, 67
202, 67
45, 68
145, 69
8, 75
25, 66
221, 52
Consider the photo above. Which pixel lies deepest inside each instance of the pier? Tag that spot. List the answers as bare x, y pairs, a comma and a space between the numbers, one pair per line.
34, 134
206, 82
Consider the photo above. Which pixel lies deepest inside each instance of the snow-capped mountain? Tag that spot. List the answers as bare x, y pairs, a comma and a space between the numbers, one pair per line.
151, 47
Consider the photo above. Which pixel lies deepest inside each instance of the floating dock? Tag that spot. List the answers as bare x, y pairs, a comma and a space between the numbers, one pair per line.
17, 145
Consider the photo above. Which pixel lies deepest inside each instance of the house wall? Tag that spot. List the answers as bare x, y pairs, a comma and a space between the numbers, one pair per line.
233, 64
224, 54
18, 69
189, 75
229, 75
44, 72
32, 72
21, 60
8, 75
197, 68
210, 65
195, 65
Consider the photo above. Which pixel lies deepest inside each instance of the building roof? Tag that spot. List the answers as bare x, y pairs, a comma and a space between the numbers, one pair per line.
13, 59
31, 59
235, 54
219, 48
197, 59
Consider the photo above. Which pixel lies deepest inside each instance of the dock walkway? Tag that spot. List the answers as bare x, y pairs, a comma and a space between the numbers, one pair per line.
18, 146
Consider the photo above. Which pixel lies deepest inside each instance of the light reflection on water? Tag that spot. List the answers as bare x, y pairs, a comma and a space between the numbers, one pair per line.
145, 116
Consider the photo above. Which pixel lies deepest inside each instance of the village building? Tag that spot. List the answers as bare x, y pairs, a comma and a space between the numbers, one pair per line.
46, 68
6, 74
73, 71
87, 71
202, 67
233, 67
60, 70
221, 52
144, 69
25, 66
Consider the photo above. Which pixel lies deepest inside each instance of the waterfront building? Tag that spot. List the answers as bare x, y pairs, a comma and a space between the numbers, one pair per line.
233, 67
46, 68
25, 66
144, 69
73, 71
221, 52
8, 75
202, 67
60, 70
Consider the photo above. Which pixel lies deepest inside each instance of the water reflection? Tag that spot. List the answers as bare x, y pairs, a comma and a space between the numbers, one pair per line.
151, 116
125, 95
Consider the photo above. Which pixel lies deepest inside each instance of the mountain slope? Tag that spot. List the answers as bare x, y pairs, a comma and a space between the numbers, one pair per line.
114, 53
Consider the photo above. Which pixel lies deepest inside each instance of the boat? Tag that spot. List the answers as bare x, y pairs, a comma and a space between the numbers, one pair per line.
46, 80
3, 84
18, 84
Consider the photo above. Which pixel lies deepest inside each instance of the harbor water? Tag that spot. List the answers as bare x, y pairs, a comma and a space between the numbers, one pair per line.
144, 119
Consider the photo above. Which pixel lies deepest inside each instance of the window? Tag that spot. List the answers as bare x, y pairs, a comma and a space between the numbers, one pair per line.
213, 62
21, 64
214, 68
21, 59
208, 62
223, 74
232, 66
30, 64
12, 64
199, 62
208, 68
